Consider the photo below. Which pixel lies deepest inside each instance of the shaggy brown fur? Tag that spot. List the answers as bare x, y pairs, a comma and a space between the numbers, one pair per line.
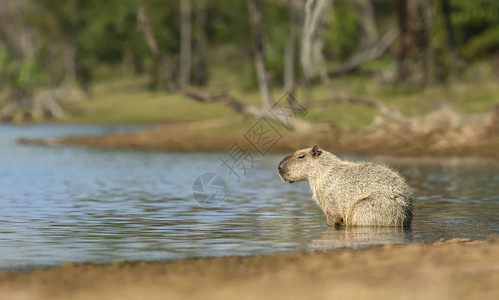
350, 193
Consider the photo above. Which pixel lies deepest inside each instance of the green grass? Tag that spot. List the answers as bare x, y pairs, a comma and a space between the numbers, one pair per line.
129, 101
143, 106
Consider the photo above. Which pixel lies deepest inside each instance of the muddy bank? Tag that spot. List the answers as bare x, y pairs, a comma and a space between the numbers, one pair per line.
440, 133
478, 138
454, 269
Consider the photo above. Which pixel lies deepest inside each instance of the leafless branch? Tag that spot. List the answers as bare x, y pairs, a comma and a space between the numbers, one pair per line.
144, 27
207, 97
367, 55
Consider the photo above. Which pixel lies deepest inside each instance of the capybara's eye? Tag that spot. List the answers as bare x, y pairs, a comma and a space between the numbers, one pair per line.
301, 156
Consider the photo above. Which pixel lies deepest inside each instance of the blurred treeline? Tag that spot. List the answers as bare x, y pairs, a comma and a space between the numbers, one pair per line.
49, 45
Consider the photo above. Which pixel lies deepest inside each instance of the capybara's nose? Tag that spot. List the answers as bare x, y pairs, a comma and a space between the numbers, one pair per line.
281, 166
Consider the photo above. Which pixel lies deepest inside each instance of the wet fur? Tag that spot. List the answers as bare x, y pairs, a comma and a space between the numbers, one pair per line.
351, 193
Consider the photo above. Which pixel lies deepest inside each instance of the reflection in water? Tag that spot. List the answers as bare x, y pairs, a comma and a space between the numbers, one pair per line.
355, 237
78, 204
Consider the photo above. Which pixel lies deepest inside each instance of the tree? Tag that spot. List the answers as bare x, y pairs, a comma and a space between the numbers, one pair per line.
261, 70
368, 26
265, 110
200, 70
185, 41
291, 47
22, 66
414, 56
312, 58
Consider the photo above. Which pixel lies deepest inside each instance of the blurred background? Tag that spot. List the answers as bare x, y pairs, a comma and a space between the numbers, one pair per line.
373, 78
163, 60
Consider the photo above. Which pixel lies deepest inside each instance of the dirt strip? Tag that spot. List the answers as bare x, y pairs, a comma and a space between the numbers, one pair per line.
481, 140
454, 269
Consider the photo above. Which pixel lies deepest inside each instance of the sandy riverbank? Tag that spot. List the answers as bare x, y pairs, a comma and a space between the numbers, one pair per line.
454, 269
220, 135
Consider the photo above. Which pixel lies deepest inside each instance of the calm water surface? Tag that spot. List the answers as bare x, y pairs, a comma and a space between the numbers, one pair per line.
78, 204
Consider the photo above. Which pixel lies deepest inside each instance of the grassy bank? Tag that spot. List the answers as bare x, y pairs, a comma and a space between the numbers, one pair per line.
338, 127
130, 101
455, 269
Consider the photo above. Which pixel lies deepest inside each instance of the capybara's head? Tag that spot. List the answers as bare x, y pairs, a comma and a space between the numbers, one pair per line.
299, 165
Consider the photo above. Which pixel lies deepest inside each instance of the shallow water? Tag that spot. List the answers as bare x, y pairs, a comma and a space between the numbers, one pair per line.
79, 204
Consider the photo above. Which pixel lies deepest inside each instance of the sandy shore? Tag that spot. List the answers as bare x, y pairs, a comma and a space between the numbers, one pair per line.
220, 135
454, 269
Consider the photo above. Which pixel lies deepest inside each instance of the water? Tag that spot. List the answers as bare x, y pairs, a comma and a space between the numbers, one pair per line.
79, 204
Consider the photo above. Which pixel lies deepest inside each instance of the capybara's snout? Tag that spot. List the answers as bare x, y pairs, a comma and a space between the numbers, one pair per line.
283, 166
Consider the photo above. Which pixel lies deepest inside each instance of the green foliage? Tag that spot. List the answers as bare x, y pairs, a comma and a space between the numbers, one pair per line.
4, 62
27, 74
228, 22
477, 26
342, 36
275, 29
103, 34
20, 75
482, 43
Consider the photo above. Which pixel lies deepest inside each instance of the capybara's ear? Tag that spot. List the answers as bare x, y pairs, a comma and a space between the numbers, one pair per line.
316, 151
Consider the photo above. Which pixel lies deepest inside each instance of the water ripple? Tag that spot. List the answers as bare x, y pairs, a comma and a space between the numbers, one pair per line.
77, 204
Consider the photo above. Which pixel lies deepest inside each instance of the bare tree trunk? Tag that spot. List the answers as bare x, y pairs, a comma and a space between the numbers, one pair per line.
367, 22
144, 27
313, 62
414, 59
199, 71
282, 116
451, 35
185, 41
312, 59
261, 72
289, 54
25, 102
451, 38
312, 42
